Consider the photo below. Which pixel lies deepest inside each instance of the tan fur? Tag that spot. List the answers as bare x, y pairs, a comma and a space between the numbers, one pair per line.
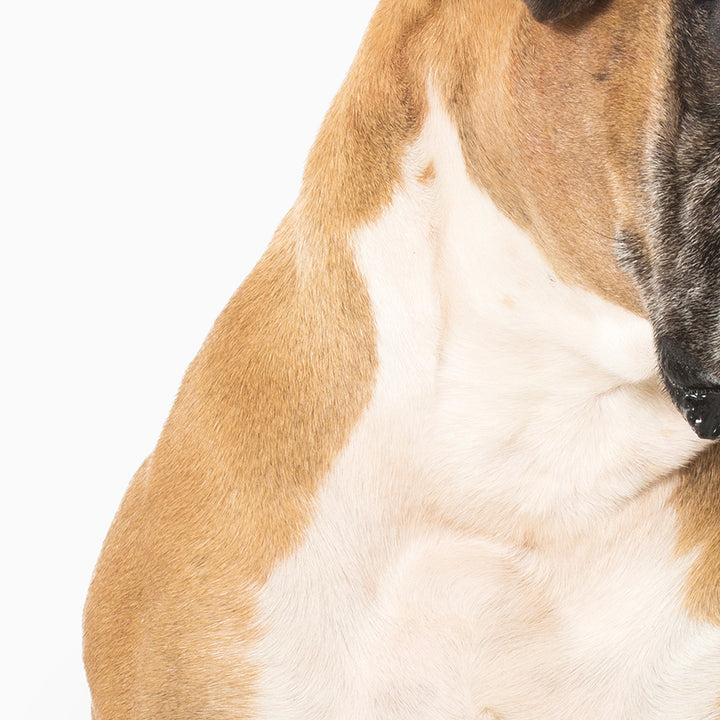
262, 411
697, 499
428, 175
355, 165
289, 366
511, 96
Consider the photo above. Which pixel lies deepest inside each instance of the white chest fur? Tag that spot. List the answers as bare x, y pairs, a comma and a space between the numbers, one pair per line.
495, 538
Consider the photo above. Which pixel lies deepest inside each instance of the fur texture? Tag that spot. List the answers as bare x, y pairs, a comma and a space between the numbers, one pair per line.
425, 465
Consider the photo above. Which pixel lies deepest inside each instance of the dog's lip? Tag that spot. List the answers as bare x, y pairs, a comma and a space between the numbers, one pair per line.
700, 406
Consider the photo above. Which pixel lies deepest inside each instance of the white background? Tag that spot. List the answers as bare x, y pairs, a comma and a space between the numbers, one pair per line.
148, 150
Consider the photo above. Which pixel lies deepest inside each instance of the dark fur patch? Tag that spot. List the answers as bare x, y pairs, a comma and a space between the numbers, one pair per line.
551, 11
679, 274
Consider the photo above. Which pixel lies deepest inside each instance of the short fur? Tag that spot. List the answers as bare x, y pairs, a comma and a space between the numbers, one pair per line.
424, 465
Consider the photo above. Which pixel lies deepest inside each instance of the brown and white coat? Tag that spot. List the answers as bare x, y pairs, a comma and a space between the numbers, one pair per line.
429, 462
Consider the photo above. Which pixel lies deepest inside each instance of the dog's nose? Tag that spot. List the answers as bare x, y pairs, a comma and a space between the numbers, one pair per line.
701, 408
695, 392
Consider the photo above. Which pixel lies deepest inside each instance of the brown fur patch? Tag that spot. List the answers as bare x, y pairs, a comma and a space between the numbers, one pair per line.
264, 408
697, 501
427, 176
289, 366
356, 163
554, 120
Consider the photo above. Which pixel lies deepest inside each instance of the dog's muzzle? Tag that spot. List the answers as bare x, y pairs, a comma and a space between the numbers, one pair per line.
693, 392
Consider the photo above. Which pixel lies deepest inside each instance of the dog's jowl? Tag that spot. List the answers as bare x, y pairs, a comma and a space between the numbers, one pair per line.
448, 452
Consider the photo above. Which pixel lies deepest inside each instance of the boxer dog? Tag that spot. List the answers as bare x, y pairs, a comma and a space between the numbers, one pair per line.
447, 453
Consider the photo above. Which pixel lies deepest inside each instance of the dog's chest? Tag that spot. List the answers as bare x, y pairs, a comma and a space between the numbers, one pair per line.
496, 535
385, 613
465, 553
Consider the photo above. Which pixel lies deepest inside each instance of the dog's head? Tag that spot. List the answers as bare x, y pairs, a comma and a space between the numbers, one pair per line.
616, 107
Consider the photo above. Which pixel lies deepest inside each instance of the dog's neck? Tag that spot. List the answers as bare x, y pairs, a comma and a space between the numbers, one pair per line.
507, 391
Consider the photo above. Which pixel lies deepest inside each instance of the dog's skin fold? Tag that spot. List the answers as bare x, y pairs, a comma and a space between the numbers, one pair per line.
447, 452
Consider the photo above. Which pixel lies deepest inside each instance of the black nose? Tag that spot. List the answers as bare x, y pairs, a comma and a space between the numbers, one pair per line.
695, 393
701, 408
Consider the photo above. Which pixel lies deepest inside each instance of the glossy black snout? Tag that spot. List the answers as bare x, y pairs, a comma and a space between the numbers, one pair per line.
695, 393
701, 408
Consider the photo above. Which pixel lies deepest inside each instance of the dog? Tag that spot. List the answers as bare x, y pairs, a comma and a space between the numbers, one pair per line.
448, 452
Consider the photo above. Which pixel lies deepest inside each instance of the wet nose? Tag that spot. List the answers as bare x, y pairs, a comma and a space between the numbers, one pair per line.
701, 408
695, 392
